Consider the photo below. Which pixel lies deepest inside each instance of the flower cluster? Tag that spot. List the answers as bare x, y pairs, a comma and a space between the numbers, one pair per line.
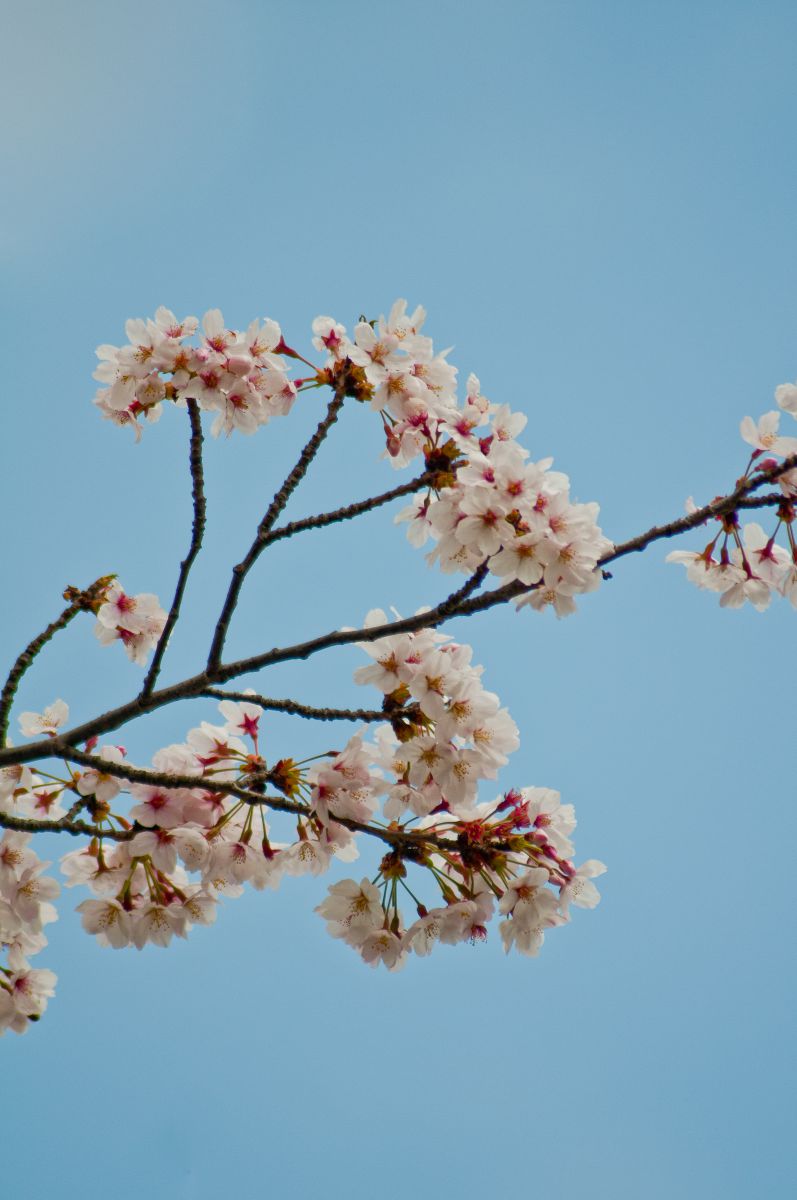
215, 812
369, 920
745, 563
161, 867
23, 792
401, 376
135, 621
26, 794
446, 733
25, 908
190, 845
513, 514
239, 375
490, 504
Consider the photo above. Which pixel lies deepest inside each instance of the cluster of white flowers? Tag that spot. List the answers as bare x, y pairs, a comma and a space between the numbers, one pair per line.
239, 375
412, 387
25, 908
447, 733
489, 503
189, 845
26, 794
453, 732
492, 504
516, 515
345, 787
135, 621
142, 886
22, 791
371, 923
744, 563
160, 866
496, 505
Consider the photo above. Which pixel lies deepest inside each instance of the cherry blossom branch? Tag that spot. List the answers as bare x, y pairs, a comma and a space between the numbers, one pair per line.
79, 601
164, 779
717, 508
242, 569
296, 709
186, 689
410, 842
131, 774
197, 531
76, 828
471, 481
455, 605
770, 500
25, 661
349, 511
459, 604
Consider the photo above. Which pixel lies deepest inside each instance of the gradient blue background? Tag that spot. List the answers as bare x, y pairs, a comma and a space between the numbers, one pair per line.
596, 204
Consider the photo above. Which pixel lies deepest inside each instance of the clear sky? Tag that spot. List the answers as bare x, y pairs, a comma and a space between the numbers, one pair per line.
595, 202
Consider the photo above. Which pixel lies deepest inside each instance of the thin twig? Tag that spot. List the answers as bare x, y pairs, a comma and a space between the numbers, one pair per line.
25, 661
722, 506
348, 511
459, 603
166, 779
79, 601
242, 569
76, 828
197, 530
296, 709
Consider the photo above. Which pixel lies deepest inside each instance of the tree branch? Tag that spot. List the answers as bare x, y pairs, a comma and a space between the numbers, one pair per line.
75, 828
197, 530
456, 604
722, 506
298, 710
193, 687
166, 779
349, 511
79, 601
399, 838
25, 661
770, 500
242, 569
459, 604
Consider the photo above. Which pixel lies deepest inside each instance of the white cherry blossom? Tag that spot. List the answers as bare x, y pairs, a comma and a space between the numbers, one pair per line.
108, 921
763, 435
579, 889
48, 722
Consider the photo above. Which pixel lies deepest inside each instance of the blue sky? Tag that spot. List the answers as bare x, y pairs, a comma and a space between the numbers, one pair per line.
596, 205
